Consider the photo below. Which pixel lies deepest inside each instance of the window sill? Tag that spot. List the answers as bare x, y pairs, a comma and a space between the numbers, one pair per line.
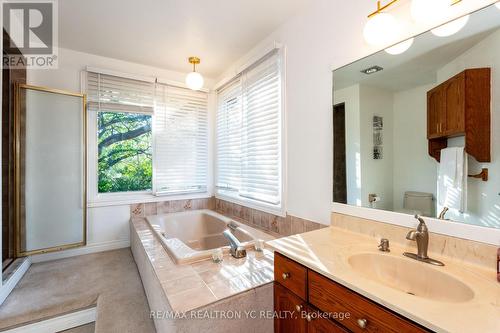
267, 208
129, 199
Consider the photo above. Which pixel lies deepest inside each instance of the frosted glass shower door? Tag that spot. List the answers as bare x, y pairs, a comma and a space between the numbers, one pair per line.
50, 170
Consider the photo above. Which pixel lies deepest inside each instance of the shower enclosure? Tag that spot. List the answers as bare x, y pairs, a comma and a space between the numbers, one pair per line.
49, 169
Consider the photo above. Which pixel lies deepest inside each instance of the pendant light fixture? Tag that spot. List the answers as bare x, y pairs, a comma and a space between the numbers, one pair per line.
429, 11
401, 47
381, 28
194, 80
451, 28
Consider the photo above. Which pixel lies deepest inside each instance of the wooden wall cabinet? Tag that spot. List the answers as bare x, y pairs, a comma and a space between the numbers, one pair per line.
315, 310
461, 106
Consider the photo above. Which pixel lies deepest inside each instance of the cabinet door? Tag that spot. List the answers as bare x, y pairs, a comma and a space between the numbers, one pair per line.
323, 325
288, 319
454, 91
436, 112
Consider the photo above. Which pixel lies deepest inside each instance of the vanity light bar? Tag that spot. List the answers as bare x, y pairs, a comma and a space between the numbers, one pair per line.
380, 8
372, 70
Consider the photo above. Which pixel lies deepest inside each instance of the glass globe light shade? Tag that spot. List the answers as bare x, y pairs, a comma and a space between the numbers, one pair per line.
498, 5
401, 47
194, 81
429, 11
381, 29
451, 28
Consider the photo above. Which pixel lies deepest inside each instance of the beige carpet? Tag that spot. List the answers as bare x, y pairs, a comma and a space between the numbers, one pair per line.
108, 279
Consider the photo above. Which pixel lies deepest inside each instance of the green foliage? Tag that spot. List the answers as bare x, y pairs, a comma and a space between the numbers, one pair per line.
125, 159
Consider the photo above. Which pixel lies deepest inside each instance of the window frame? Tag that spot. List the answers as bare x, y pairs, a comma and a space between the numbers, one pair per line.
233, 197
96, 199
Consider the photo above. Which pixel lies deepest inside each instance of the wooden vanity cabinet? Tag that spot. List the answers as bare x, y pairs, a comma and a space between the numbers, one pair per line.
297, 314
461, 106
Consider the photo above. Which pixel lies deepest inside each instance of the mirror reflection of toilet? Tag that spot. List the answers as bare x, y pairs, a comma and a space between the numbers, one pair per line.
420, 203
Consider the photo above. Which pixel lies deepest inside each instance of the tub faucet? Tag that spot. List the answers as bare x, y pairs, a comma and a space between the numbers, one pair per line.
421, 236
236, 250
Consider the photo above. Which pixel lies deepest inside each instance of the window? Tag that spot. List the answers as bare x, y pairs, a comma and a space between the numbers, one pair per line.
124, 152
181, 140
249, 136
149, 137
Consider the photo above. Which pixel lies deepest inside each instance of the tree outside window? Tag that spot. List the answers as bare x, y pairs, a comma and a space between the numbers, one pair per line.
124, 152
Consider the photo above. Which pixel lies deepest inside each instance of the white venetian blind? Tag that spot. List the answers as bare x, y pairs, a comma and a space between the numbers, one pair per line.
249, 134
113, 93
261, 144
180, 140
228, 137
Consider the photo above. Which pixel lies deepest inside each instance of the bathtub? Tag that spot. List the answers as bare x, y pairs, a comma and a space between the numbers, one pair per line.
193, 235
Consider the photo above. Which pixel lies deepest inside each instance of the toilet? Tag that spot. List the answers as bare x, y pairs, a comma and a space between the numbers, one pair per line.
418, 203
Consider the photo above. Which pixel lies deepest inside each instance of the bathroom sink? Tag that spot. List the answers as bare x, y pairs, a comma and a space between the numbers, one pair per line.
411, 277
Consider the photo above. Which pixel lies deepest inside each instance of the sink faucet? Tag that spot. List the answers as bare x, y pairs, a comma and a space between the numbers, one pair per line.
421, 236
237, 250
443, 213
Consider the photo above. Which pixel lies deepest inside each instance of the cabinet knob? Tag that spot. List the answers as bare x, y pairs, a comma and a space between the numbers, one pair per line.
285, 276
299, 307
362, 323
309, 317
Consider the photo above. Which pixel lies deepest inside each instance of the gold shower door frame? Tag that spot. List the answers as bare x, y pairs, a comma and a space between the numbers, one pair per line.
17, 168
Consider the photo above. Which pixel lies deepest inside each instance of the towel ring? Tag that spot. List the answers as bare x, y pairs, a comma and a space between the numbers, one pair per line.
483, 175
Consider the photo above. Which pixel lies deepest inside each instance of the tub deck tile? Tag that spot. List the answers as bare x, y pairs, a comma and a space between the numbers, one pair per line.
191, 286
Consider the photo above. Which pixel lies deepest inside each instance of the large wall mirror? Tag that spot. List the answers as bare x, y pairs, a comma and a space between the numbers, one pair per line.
418, 132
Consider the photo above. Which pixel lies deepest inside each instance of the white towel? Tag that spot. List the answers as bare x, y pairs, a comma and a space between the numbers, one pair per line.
452, 179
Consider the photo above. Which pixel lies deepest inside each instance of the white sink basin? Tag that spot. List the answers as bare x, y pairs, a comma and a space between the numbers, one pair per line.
411, 277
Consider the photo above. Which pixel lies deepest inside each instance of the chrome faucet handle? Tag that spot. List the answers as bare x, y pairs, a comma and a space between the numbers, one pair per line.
384, 245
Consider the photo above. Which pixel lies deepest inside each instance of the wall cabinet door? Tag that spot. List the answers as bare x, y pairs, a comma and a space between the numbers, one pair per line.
288, 309
454, 109
436, 114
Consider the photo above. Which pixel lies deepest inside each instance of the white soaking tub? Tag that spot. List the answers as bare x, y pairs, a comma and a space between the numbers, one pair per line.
193, 235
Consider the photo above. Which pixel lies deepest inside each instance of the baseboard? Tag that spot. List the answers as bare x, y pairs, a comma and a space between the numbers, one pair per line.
7, 286
90, 248
60, 323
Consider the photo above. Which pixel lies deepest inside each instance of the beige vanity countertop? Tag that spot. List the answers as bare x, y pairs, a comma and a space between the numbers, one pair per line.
326, 251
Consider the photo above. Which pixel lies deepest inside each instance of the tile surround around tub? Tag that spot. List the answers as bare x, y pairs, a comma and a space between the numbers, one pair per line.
165, 207
276, 225
467, 251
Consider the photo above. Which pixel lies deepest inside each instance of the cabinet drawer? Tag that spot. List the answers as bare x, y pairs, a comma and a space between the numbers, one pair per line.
318, 324
331, 297
291, 275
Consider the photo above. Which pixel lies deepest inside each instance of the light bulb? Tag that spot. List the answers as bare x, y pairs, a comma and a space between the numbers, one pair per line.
194, 81
381, 29
401, 47
451, 28
429, 11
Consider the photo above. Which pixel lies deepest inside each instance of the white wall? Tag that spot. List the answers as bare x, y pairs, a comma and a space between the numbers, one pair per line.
376, 175
107, 226
326, 36
414, 169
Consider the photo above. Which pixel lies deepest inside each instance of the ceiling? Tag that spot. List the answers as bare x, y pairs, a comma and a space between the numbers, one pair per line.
164, 33
419, 64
